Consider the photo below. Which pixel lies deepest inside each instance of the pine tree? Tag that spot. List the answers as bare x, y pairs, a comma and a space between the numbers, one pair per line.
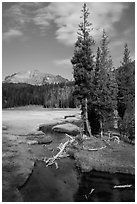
105, 87
126, 58
122, 80
126, 94
83, 64
97, 67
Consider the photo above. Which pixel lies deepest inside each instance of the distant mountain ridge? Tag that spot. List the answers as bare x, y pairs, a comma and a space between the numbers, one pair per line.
34, 77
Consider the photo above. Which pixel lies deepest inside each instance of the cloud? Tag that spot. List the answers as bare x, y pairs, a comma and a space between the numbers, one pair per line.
42, 17
31, 4
122, 38
11, 33
16, 15
66, 17
20, 15
62, 62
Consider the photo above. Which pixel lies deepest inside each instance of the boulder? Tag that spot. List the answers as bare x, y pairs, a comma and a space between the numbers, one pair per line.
69, 116
32, 142
40, 140
46, 140
4, 127
67, 128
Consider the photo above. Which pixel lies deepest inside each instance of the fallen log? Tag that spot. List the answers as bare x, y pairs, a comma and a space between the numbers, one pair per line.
94, 149
51, 160
60, 154
91, 191
123, 186
115, 138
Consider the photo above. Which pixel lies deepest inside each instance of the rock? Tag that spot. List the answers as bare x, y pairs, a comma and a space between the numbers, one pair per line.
67, 128
46, 140
72, 118
69, 116
50, 149
4, 127
35, 133
32, 142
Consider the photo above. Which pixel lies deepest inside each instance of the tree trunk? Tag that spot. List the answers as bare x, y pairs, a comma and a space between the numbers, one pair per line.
115, 119
101, 128
86, 125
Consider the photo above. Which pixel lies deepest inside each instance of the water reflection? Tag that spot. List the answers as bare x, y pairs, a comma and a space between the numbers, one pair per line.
48, 184
103, 185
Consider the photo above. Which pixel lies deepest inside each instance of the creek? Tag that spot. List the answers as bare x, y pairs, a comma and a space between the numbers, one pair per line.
69, 184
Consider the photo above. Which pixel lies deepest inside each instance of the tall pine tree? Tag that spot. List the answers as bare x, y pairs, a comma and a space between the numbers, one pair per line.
126, 57
126, 94
105, 87
83, 64
122, 79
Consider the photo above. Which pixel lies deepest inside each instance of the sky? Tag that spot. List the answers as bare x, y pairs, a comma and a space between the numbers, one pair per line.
41, 35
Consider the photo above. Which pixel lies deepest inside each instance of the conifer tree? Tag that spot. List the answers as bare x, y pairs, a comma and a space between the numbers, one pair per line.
126, 57
122, 80
105, 87
126, 94
83, 64
97, 67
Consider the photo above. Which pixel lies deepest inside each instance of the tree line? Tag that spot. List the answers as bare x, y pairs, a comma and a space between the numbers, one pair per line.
49, 95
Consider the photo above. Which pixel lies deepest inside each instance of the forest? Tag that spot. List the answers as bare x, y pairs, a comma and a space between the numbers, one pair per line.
49, 95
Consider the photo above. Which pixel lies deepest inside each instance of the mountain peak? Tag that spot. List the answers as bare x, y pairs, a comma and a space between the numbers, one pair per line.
34, 77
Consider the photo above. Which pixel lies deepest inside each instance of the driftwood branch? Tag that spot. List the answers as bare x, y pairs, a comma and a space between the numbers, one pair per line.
123, 186
91, 191
87, 196
116, 139
94, 149
60, 154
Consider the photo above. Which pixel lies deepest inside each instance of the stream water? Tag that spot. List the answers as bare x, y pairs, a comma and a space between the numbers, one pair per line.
68, 184
65, 184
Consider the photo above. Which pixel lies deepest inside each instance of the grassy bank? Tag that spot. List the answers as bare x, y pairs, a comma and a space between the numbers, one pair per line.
110, 157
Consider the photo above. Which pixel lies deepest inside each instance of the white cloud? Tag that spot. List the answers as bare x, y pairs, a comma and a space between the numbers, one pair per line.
22, 15
16, 15
11, 33
31, 4
124, 38
66, 16
42, 17
62, 62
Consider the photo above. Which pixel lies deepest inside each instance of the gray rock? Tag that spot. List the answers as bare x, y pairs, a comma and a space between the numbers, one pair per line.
40, 140
67, 128
32, 142
36, 133
4, 127
46, 140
